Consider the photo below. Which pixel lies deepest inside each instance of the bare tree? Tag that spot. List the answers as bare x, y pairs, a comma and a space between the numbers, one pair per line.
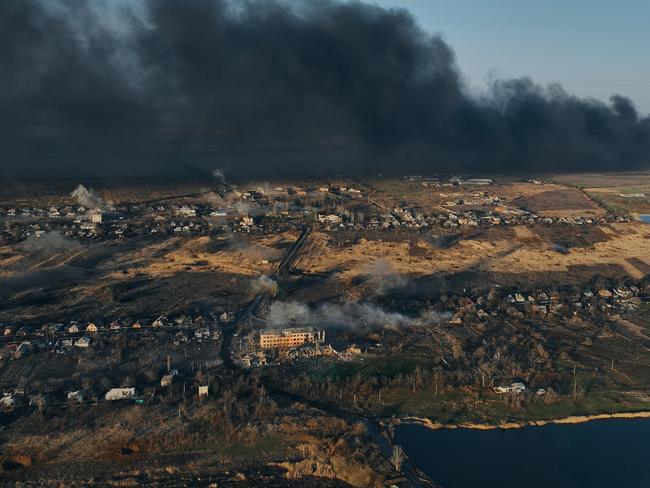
398, 457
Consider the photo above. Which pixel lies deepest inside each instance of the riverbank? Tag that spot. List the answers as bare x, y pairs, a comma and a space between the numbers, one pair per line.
575, 419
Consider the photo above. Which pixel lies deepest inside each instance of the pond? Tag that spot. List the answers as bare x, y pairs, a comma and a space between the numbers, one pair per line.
645, 218
605, 453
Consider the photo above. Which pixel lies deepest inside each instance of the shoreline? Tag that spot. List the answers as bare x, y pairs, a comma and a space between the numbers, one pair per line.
574, 419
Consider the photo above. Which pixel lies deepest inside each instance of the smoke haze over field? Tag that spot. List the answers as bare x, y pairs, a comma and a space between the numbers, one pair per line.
345, 315
169, 88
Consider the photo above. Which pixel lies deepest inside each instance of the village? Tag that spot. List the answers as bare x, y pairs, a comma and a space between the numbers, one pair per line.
265, 209
433, 297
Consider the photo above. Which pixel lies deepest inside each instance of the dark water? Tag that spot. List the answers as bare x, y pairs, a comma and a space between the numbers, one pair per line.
599, 454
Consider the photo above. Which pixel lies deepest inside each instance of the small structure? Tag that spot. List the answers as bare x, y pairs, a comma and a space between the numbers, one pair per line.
203, 391
115, 394
604, 293
83, 342
353, 350
167, 380
76, 396
91, 328
516, 387
7, 403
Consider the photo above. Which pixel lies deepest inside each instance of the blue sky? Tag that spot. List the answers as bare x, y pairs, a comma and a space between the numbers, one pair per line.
593, 48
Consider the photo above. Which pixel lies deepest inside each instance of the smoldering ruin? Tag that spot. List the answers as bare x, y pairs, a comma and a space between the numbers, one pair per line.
165, 88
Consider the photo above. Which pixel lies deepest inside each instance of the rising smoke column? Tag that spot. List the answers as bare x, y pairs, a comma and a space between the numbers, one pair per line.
153, 87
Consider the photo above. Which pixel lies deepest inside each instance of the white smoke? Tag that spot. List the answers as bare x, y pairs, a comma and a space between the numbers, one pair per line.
283, 313
246, 209
348, 315
212, 197
219, 174
264, 284
87, 197
50, 243
383, 277
264, 189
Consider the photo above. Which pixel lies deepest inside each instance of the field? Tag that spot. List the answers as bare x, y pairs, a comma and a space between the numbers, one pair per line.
613, 249
148, 277
617, 192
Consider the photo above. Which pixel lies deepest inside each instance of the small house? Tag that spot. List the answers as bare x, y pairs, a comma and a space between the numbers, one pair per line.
83, 342
115, 394
167, 380
92, 328
76, 396
604, 293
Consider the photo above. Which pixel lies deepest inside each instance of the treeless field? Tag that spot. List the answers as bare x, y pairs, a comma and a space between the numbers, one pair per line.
554, 201
529, 252
604, 180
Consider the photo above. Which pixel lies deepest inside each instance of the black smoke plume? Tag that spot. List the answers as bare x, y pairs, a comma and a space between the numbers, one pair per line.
263, 87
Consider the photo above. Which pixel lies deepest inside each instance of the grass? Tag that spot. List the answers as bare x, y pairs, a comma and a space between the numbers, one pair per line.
388, 367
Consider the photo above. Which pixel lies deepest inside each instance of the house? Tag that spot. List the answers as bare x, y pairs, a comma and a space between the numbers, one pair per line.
604, 293
7, 402
76, 396
168, 379
541, 309
137, 325
91, 328
115, 394
457, 319
83, 342
516, 387
73, 328
203, 391
329, 219
353, 350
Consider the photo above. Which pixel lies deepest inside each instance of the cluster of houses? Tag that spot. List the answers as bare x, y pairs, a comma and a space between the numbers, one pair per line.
62, 338
402, 217
541, 303
332, 208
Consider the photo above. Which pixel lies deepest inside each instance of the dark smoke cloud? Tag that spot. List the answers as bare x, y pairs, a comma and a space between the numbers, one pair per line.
168, 87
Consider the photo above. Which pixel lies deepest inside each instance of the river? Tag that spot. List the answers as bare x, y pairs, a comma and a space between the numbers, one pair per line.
598, 454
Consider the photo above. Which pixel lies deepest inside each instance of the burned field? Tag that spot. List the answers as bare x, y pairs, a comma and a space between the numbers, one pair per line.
430, 298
